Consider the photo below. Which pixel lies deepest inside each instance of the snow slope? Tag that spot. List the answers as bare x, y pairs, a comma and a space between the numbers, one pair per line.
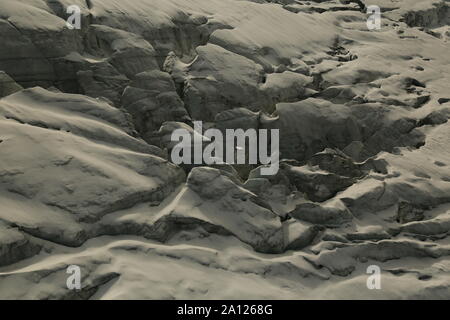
85, 121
